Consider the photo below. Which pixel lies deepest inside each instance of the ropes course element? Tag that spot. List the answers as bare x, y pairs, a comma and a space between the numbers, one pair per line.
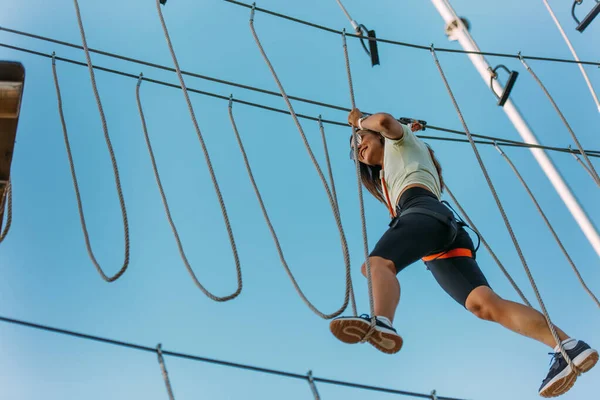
191, 357
361, 203
313, 387
222, 81
300, 130
76, 183
592, 170
6, 201
349, 292
234, 84
372, 51
505, 218
411, 45
547, 222
208, 163
163, 369
169, 216
110, 150
505, 142
486, 245
568, 42
582, 25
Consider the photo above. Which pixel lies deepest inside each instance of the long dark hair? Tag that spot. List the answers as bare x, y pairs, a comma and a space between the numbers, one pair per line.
369, 175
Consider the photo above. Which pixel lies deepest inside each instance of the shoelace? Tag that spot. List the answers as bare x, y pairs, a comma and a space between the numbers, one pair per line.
554, 361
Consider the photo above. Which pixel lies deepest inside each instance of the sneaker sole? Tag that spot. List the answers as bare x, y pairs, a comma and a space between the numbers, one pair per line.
389, 343
349, 330
565, 381
352, 331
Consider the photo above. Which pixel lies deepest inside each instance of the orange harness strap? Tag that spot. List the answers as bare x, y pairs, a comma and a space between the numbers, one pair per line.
449, 254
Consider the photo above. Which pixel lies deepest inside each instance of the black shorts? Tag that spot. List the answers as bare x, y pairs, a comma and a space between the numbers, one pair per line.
414, 236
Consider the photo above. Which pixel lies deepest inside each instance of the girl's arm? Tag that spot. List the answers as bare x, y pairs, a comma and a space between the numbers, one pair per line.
384, 123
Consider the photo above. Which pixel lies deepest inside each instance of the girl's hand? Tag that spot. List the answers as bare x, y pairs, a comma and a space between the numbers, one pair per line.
353, 117
416, 126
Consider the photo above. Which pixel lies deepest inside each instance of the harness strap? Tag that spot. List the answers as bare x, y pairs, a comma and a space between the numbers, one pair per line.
450, 221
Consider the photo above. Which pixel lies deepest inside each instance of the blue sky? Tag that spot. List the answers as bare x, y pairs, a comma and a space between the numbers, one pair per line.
47, 276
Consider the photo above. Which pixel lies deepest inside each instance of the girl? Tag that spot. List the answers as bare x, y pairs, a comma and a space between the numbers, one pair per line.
401, 171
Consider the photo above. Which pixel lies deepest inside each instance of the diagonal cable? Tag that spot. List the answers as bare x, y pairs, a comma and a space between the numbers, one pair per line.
547, 222
564, 120
568, 42
487, 246
504, 217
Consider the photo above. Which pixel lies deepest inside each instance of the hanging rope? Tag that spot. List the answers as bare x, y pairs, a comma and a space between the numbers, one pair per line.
349, 293
208, 162
6, 201
504, 217
566, 38
76, 184
328, 162
582, 164
313, 387
360, 196
564, 120
539, 208
110, 150
487, 246
168, 211
163, 369
310, 153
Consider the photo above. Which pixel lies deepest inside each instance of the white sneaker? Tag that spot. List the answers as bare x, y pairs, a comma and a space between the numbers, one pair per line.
353, 329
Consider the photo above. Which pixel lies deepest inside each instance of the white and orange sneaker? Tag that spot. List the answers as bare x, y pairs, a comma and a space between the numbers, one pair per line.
354, 329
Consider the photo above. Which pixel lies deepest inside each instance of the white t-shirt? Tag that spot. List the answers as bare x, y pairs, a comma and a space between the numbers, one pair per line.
407, 161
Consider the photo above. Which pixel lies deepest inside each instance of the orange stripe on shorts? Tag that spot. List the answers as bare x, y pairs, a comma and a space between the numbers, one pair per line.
449, 254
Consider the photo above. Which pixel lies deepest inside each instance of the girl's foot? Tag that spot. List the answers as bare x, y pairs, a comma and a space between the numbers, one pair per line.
561, 377
354, 329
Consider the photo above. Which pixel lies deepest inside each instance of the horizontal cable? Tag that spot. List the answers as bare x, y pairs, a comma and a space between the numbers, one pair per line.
412, 45
170, 69
506, 142
260, 90
215, 361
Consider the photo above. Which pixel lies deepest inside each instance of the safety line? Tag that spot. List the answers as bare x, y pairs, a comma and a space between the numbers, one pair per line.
568, 42
412, 45
511, 232
230, 83
215, 361
505, 142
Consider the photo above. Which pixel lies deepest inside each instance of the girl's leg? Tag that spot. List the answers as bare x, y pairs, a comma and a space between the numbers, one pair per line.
487, 305
386, 288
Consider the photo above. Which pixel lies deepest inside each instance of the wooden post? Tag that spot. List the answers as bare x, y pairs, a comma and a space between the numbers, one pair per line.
12, 80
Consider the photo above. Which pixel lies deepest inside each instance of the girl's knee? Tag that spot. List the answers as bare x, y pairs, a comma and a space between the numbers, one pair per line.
484, 303
379, 265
